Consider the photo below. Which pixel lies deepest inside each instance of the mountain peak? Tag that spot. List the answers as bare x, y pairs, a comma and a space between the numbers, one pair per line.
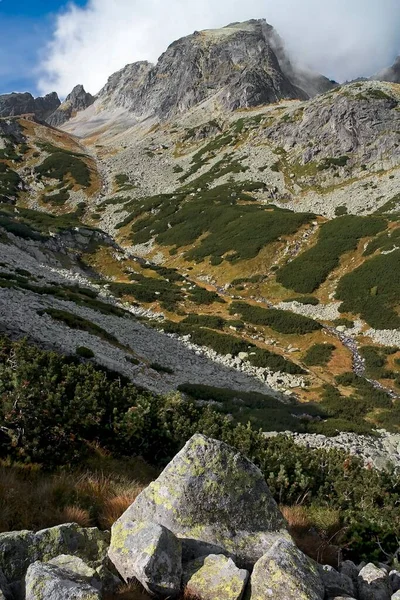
77, 100
238, 66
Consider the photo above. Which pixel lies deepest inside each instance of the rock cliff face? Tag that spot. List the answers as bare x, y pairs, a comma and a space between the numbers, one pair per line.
77, 100
15, 104
241, 65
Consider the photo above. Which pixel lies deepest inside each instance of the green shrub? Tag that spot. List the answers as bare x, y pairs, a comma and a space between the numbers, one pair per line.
75, 322
210, 321
311, 268
212, 221
161, 368
61, 164
281, 321
319, 355
372, 291
308, 300
84, 352
10, 182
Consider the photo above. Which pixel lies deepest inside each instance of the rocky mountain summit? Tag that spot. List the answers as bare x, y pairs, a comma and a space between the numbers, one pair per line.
24, 103
241, 65
207, 528
77, 100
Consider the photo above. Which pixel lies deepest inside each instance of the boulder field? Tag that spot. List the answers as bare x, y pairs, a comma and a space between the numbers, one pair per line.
208, 528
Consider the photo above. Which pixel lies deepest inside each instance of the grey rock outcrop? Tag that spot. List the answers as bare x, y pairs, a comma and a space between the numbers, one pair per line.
215, 576
216, 500
77, 100
241, 65
77, 566
49, 582
19, 549
335, 583
373, 583
149, 552
286, 573
356, 119
15, 104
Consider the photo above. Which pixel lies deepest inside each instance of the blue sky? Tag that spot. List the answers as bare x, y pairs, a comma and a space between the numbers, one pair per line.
25, 28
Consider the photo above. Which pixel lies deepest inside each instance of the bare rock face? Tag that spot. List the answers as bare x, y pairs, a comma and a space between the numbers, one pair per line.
77, 100
357, 122
215, 576
216, 500
15, 104
285, 572
148, 552
49, 582
241, 65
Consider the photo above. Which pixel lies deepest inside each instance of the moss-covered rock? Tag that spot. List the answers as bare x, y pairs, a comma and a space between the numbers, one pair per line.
49, 582
19, 549
216, 500
215, 576
286, 573
148, 552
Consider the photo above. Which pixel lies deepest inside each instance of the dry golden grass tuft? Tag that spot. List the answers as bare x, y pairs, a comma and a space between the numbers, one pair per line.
96, 496
129, 591
116, 506
316, 531
75, 514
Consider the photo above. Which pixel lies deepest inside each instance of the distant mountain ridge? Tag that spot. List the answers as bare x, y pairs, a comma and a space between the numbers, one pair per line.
16, 104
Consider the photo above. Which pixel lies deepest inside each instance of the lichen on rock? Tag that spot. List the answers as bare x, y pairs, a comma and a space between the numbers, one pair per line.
148, 552
286, 573
215, 576
216, 500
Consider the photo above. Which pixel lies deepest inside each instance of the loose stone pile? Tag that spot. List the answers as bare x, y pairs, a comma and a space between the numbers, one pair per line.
208, 525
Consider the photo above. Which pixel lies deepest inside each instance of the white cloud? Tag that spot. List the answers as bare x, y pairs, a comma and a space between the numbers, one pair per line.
341, 38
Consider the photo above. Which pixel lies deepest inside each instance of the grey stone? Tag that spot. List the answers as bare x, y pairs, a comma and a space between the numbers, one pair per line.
373, 583
215, 576
48, 582
286, 573
335, 583
396, 596
5, 592
19, 549
77, 566
394, 577
216, 500
348, 568
149, 552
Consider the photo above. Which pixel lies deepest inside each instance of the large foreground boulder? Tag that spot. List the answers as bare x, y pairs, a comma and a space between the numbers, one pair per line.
215, 576
19, 549
150, 553
216, 500
49, 582
286, 573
